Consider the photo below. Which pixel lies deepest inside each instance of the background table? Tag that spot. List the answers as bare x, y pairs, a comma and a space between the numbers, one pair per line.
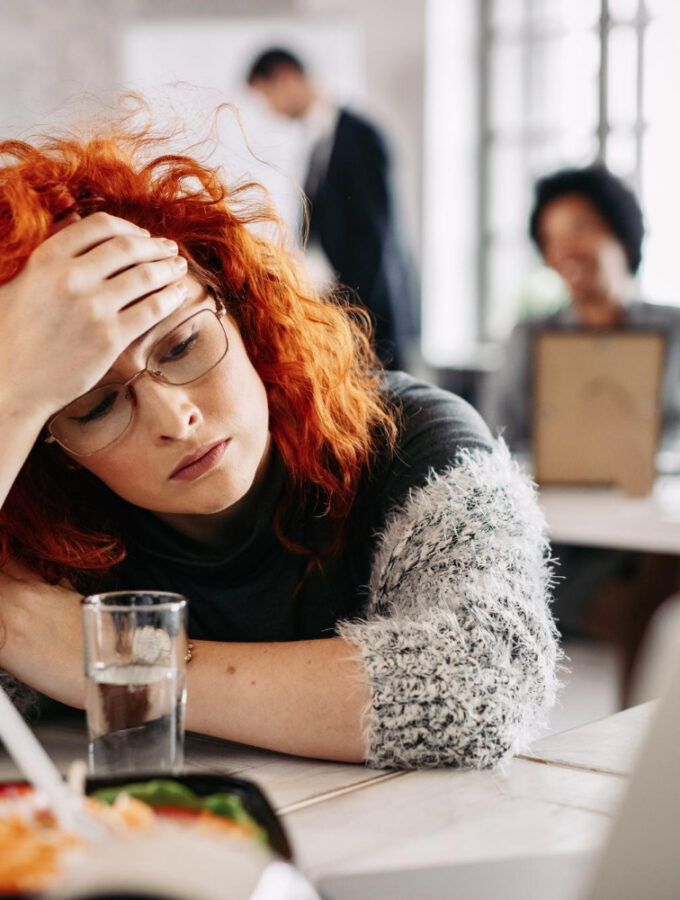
605, 517
557, 797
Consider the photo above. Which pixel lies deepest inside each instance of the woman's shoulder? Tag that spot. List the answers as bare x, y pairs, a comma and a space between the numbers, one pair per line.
427, 412
436, 430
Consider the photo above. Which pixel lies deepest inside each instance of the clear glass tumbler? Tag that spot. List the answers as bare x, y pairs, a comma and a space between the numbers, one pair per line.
135, 647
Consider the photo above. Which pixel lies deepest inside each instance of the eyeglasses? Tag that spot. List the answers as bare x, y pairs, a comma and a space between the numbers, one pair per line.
96, 419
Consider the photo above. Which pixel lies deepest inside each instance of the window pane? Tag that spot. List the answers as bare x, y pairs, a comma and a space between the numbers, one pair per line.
507, 14
578, 73
659, 270
578, 14
564, 84
544, 156
545, 15
660, 185
622, 10
507, 265
666, 9
662, 76
506, 94
564, 14
577, 149
621, 154
508, 189
622, 76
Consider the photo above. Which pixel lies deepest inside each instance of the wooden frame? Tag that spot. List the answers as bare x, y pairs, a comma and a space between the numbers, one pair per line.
597, 406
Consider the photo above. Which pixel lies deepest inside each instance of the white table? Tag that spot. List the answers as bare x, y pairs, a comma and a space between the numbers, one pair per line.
605, 517
346, 818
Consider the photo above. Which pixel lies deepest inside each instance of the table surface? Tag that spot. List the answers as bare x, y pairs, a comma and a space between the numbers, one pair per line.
605, 517
559, 796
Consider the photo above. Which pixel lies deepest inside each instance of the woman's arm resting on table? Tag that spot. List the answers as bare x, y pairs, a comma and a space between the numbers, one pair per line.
458, 640
40, 639
300, 697
454, 663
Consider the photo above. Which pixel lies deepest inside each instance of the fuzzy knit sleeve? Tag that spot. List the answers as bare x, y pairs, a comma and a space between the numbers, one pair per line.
23, 697
457, 639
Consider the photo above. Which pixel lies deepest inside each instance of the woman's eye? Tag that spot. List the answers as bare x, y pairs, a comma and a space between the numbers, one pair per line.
98, 411
177, 351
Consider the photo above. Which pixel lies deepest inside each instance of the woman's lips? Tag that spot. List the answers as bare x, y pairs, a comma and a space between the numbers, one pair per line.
202, 464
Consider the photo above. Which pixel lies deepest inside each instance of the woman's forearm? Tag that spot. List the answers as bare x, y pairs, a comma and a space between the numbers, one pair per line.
299, 697
20, 428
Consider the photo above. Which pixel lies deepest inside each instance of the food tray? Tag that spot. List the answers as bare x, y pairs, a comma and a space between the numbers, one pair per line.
203, 785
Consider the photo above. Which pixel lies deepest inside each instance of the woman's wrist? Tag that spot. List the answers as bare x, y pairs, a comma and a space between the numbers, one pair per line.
20, 430
23, 413
42, 639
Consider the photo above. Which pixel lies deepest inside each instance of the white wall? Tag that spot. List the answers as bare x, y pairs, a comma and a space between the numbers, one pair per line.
58, 57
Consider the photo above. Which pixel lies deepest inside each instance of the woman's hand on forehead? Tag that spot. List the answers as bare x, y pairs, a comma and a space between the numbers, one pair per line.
86, 293
197, 298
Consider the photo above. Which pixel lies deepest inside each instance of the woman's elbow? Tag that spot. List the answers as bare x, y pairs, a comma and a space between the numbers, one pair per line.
460, 728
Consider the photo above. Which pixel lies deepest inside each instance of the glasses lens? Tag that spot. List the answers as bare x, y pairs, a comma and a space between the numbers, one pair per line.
94, 420
190, 350
99, 417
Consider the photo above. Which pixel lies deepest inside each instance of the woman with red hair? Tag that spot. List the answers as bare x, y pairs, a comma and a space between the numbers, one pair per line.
366, 568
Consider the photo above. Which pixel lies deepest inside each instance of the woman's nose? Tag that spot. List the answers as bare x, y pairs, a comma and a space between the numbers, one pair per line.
169, 409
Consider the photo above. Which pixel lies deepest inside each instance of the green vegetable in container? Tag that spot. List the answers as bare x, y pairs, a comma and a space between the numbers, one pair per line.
161, 792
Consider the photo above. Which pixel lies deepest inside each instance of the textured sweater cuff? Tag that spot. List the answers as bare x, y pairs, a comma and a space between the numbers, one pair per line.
458, 642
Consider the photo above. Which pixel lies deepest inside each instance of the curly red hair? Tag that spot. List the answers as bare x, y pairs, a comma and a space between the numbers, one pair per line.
328, 416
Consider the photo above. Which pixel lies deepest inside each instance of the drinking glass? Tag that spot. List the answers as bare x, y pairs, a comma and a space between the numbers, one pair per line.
135, 648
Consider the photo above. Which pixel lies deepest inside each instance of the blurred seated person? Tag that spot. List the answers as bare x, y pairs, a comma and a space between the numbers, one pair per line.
354, 238
588, 227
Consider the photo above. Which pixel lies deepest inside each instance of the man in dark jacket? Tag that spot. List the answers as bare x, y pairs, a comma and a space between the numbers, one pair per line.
348, 185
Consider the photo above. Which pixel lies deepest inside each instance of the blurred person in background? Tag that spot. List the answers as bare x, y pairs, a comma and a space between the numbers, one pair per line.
353, 235
588, 227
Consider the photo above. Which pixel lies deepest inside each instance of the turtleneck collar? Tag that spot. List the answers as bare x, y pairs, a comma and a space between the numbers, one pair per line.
247, 534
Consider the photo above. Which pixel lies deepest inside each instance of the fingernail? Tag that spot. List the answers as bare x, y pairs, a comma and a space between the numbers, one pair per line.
170, 245
182, 289
180, 262
145, 231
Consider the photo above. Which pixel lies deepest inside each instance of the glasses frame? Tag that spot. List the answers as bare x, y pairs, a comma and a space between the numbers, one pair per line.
156, 374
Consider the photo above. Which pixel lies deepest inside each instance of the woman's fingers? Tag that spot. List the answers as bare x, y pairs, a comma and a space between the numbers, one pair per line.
111, 260
120, 253
82, 235
141, 280
86, 293
143, 315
